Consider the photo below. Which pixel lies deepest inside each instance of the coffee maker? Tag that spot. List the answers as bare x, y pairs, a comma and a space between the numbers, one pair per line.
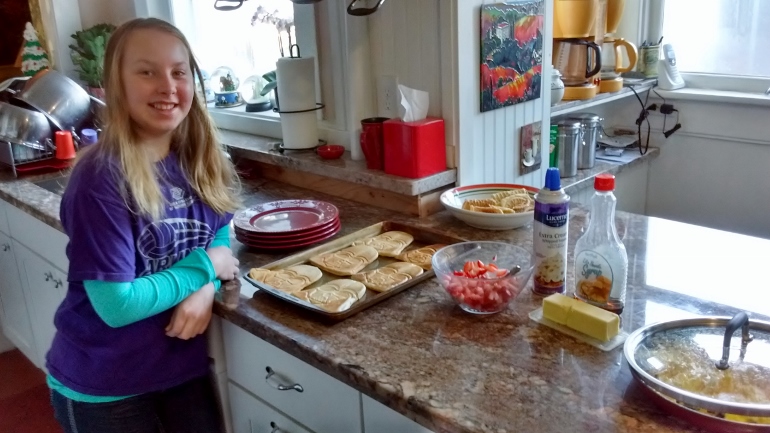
612, 49
578, 31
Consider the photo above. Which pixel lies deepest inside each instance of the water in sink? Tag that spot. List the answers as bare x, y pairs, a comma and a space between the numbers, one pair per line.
55, 185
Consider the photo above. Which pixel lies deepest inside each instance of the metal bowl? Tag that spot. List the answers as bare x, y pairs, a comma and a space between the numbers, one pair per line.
25, 127
63, 101
652, 349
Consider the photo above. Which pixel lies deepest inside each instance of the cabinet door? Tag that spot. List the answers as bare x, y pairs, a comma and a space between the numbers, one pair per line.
16, 323
301, 391
251, 415
45, 287
379, 418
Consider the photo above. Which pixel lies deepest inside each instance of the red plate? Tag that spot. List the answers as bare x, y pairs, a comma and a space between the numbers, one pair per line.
287, 245
287, 237
285, 216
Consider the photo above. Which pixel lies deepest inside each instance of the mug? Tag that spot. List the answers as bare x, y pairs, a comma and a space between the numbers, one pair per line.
372, 142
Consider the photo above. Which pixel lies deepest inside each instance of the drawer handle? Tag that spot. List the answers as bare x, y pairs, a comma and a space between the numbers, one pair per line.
6, 247
48, 276
275, 428
296, 387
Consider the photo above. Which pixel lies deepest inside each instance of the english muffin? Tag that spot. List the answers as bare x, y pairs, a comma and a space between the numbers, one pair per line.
387, 277
291, 279
344, 285
388, 244
421, 256
347, 261
331, 300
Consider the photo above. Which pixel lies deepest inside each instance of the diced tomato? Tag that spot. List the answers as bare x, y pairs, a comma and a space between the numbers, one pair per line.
459, 273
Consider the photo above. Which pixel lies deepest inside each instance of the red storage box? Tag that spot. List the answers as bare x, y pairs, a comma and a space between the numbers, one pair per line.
414, 149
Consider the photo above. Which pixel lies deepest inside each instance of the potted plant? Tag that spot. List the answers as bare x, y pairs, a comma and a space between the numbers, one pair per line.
87, 55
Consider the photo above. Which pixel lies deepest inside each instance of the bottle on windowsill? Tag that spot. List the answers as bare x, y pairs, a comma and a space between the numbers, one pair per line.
601, 261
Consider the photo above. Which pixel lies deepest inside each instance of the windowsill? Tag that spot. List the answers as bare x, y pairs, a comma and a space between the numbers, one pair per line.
715, 96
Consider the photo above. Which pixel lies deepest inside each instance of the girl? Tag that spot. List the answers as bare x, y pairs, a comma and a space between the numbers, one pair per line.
147, 212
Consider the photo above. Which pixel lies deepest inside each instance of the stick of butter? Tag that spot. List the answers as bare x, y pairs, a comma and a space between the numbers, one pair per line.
582, 317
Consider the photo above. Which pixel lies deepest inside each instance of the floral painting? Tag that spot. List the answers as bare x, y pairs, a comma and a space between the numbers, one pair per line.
511, 53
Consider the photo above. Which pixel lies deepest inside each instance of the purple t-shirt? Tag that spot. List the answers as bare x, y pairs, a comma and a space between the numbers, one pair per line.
109, 242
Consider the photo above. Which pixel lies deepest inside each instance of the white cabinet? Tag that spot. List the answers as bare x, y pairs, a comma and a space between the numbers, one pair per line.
16, 323
379, 418
312, 398
45, 287
250, 415
32, 282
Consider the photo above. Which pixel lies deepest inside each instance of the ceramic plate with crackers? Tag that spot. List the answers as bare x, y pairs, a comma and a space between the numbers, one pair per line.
491, 206
357, 270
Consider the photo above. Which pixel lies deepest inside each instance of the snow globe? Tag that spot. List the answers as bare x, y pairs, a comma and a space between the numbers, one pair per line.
256, 94
225, 84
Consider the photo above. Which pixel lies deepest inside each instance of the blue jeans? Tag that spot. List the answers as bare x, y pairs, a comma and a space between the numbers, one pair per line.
191, 407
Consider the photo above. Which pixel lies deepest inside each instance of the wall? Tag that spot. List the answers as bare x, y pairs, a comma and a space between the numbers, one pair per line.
5, 344
489, 142
713, 171
94, 12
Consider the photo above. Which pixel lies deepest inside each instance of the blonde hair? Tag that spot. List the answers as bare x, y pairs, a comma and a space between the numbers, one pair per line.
209, 171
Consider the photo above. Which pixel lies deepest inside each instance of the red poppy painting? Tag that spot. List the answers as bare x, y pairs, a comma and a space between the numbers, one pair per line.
511, 53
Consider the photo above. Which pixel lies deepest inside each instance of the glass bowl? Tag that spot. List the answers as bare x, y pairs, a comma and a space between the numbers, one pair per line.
492, 290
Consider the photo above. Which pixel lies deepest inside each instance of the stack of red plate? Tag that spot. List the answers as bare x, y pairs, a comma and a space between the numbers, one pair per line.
286, 224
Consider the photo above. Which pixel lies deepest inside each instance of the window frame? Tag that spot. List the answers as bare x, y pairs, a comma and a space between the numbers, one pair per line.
269, 125
651, 23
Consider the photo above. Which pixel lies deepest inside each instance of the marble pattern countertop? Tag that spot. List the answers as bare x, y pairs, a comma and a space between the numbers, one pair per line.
454, 372
262, 149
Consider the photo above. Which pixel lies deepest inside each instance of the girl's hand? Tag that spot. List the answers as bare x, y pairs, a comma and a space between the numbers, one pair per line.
225, 264
192, 316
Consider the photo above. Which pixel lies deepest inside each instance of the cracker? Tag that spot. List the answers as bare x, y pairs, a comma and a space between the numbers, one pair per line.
347, 261
388, 244
291, 279
385, 278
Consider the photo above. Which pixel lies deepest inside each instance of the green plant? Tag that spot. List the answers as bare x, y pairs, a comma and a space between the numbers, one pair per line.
272, 83
87, 52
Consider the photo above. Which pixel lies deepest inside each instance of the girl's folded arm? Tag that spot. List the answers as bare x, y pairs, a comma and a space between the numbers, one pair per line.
122, 303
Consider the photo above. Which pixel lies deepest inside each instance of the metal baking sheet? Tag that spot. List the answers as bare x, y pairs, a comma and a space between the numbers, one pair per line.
422, 237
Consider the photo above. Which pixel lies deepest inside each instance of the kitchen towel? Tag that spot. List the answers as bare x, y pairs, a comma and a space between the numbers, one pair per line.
296, 92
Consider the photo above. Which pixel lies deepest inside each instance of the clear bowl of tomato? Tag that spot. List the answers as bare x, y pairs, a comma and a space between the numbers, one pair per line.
483, 277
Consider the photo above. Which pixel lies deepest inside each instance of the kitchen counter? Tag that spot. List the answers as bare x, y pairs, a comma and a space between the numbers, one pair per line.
453, 372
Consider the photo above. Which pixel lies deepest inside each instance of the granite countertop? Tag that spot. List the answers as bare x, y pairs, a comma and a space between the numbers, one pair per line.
454, 372
263, 149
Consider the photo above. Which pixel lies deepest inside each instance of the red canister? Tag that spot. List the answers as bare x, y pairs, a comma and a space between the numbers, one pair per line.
414, 149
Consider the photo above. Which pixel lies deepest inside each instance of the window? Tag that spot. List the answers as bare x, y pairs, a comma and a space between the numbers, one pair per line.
722, 37
249, 40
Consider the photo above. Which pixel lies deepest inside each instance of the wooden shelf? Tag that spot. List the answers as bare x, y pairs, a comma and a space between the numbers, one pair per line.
565, 107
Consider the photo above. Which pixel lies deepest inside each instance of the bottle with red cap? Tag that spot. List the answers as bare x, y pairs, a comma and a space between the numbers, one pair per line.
601, 261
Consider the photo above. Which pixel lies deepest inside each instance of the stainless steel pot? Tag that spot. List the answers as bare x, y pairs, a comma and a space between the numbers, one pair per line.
63, 101
693, 369
24, 127
591, 125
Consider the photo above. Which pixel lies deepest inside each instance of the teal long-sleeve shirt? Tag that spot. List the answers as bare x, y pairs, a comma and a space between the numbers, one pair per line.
122, 303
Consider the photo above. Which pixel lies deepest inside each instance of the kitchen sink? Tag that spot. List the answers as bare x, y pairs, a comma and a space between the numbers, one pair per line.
55, 185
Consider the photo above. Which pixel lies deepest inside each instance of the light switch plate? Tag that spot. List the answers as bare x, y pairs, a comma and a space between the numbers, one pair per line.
387, 96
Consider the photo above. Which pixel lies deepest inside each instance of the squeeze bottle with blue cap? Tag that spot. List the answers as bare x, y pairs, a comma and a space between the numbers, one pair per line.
88, 137
550, 236
601, 261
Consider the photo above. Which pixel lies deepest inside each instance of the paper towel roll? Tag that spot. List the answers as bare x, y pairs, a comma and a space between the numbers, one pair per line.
300, 130
296, 83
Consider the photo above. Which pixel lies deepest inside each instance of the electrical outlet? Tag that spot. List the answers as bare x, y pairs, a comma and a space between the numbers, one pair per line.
387, 96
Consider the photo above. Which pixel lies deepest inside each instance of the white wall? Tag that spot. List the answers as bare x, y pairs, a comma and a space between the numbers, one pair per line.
489, 142
714, 171
5, 343
94, 12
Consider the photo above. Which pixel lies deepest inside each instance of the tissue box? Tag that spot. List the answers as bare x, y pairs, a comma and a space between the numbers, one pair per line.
414, 149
